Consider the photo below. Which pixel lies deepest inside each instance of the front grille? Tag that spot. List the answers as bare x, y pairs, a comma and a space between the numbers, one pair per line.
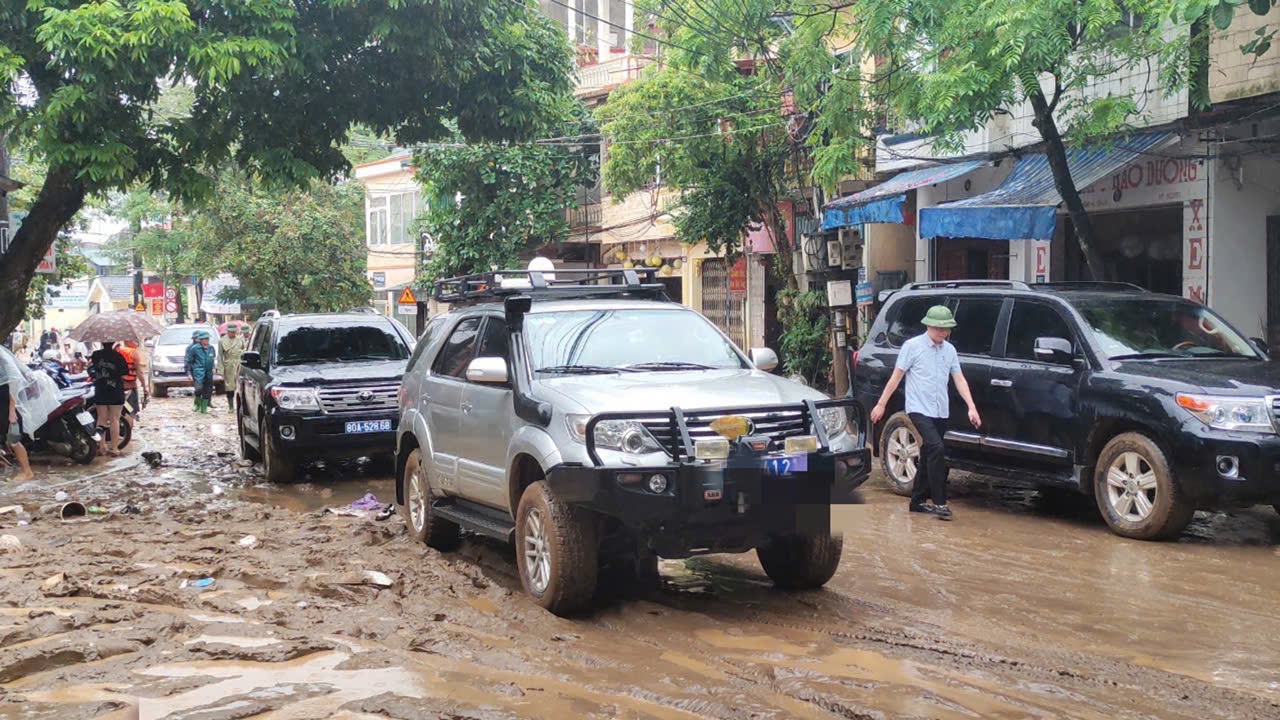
777, 424
176, 359
357, 399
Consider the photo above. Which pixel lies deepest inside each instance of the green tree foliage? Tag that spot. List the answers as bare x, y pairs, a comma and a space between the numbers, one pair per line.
806, 335
496, 200
275, 86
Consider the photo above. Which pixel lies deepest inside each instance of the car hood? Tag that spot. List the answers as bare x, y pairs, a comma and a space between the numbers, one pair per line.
163, 351
356, 371
1211, 375
658, 391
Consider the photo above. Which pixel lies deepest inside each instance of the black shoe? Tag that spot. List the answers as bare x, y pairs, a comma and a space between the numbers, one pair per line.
926, 509
943, 512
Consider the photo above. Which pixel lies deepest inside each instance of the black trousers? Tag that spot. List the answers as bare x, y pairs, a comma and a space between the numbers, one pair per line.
931, 473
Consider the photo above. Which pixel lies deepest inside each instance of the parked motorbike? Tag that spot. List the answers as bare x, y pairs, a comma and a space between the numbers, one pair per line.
66, 381
70, 430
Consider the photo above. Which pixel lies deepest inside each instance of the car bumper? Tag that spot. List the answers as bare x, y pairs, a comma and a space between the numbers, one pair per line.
730, 506
326, 435
176, 378
1255, 458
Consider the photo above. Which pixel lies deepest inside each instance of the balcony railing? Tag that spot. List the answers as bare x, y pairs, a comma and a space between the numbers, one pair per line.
584, 217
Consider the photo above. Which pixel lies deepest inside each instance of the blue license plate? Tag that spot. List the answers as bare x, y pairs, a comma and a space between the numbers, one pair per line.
369, 426
788, 465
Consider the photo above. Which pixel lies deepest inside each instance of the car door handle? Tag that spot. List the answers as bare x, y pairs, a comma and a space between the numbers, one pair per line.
1001, 383
466, 408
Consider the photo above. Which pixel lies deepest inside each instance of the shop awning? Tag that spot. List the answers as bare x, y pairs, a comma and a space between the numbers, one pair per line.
883, 203
1025, 205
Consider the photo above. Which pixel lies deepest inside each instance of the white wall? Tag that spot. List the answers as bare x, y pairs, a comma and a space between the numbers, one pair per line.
1239, 202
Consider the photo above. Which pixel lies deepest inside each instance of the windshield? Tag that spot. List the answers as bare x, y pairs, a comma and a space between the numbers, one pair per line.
622, 339
1161, 327
182, 335
310, 344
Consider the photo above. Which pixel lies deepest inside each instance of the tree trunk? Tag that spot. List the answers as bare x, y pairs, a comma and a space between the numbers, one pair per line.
1056, 152
60, 199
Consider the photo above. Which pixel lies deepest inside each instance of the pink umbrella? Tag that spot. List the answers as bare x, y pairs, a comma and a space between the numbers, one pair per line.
240, 324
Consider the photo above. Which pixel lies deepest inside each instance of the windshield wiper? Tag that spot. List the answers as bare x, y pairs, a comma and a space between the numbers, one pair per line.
1149, 356
672, 365
581, 370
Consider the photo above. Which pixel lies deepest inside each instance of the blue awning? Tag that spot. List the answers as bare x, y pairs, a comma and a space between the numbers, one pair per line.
883, 203
1025, 206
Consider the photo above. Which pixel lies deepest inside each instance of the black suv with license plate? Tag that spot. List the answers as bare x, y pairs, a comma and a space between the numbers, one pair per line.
320, 386
1151, 403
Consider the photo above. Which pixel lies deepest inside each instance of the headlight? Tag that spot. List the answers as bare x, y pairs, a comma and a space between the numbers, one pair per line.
1229, 413
626, 436
296, 398
833, 421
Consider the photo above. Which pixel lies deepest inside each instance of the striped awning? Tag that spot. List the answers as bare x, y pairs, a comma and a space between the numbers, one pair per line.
1025, 205
883, 203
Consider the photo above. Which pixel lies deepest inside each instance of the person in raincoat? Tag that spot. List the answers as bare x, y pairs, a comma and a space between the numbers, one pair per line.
199, 361
230, 348
10, 423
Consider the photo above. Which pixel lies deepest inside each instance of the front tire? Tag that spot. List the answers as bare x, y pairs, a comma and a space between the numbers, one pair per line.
801, 562
1136, 492
247, 451
900, 447
422, 523
161, 391
279, 467
83, 447
557, 551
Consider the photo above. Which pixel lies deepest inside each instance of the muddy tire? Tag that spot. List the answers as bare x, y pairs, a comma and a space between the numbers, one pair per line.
900, 447
557, 551
801, 562
1136, 491
160, 391
247, 450
279, 467
83, 447
423, 525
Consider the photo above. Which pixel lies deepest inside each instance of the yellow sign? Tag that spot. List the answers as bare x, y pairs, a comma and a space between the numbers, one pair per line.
406, 297
140, 307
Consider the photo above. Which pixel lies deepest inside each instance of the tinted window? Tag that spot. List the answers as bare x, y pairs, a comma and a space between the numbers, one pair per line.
434, 327
1030, 321
458, 350
976, 319
657, 339
339, 343
260, 338
1144, 326
907, 315
496, 339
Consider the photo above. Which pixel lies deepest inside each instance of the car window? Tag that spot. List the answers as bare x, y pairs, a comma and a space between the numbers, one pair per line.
1033, 320
458, 350
1161, 327
260, 340
907, 315
434, 327
496, 339
649, 339
976, 319
339, 343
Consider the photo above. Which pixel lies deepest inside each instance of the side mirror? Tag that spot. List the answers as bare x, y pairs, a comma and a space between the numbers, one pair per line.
488, 370
251, 360
1261, 345
764, 359
1054, 350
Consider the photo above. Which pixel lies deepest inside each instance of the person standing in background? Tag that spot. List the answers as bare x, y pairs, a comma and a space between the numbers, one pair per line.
200, 360
108, 368
230, 348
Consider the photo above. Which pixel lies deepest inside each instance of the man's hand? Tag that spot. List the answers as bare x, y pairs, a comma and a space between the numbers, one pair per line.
974, 418
877, 413
13, 415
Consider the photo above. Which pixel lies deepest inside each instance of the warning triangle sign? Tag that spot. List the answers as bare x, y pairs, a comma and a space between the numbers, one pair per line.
406, 297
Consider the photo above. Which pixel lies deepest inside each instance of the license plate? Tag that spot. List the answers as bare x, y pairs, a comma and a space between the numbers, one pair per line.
787, 465
84, 418
369, 426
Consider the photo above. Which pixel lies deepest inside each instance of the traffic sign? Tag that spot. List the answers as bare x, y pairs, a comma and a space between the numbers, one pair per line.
170, 294
170, 306
140, 307
407, 298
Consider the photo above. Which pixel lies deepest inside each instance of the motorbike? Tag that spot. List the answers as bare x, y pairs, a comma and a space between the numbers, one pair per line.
66, 381
70, 430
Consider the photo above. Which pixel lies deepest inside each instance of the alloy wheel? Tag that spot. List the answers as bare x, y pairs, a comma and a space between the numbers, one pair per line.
537, 554
417, 500
1132, 486
904, 455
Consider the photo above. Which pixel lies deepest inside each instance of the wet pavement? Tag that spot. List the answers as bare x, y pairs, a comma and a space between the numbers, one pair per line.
1024, 606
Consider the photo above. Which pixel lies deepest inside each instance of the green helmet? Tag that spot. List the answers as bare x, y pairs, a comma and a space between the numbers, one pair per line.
939, 316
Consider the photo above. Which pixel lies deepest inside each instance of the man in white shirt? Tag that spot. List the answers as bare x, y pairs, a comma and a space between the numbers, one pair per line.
927, 361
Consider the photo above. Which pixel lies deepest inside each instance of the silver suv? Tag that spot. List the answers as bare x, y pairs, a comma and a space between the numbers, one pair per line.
597, 425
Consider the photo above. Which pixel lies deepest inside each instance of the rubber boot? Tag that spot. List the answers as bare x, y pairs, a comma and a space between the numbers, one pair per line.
204, 406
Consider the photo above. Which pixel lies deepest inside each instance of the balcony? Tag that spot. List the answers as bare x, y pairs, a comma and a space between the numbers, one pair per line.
609, 73
584, 217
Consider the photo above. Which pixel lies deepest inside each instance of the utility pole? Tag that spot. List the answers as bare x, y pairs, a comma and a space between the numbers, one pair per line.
135, 228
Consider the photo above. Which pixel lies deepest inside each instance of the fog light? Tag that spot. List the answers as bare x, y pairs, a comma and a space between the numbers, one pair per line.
286, 432
711, 449
1228, 467
657, 483
801, 444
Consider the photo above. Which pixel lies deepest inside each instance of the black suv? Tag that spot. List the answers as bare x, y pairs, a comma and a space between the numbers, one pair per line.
321, 386
1153, 404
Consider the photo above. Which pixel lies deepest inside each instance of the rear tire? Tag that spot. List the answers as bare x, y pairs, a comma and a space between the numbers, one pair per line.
423, 525
557, 551
900, 447
1136, 491
161, 391
801, 562
279, 467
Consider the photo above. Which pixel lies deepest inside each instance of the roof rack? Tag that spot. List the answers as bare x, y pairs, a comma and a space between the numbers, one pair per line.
364, 310
1090, 285
1014, 284
559, 284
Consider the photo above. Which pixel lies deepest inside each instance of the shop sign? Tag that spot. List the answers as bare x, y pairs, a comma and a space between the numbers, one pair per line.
738, 278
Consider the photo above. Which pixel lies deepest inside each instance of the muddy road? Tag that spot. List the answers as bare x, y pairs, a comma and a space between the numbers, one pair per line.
203, 594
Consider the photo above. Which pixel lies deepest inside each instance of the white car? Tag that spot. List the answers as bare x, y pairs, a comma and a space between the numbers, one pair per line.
169, 356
